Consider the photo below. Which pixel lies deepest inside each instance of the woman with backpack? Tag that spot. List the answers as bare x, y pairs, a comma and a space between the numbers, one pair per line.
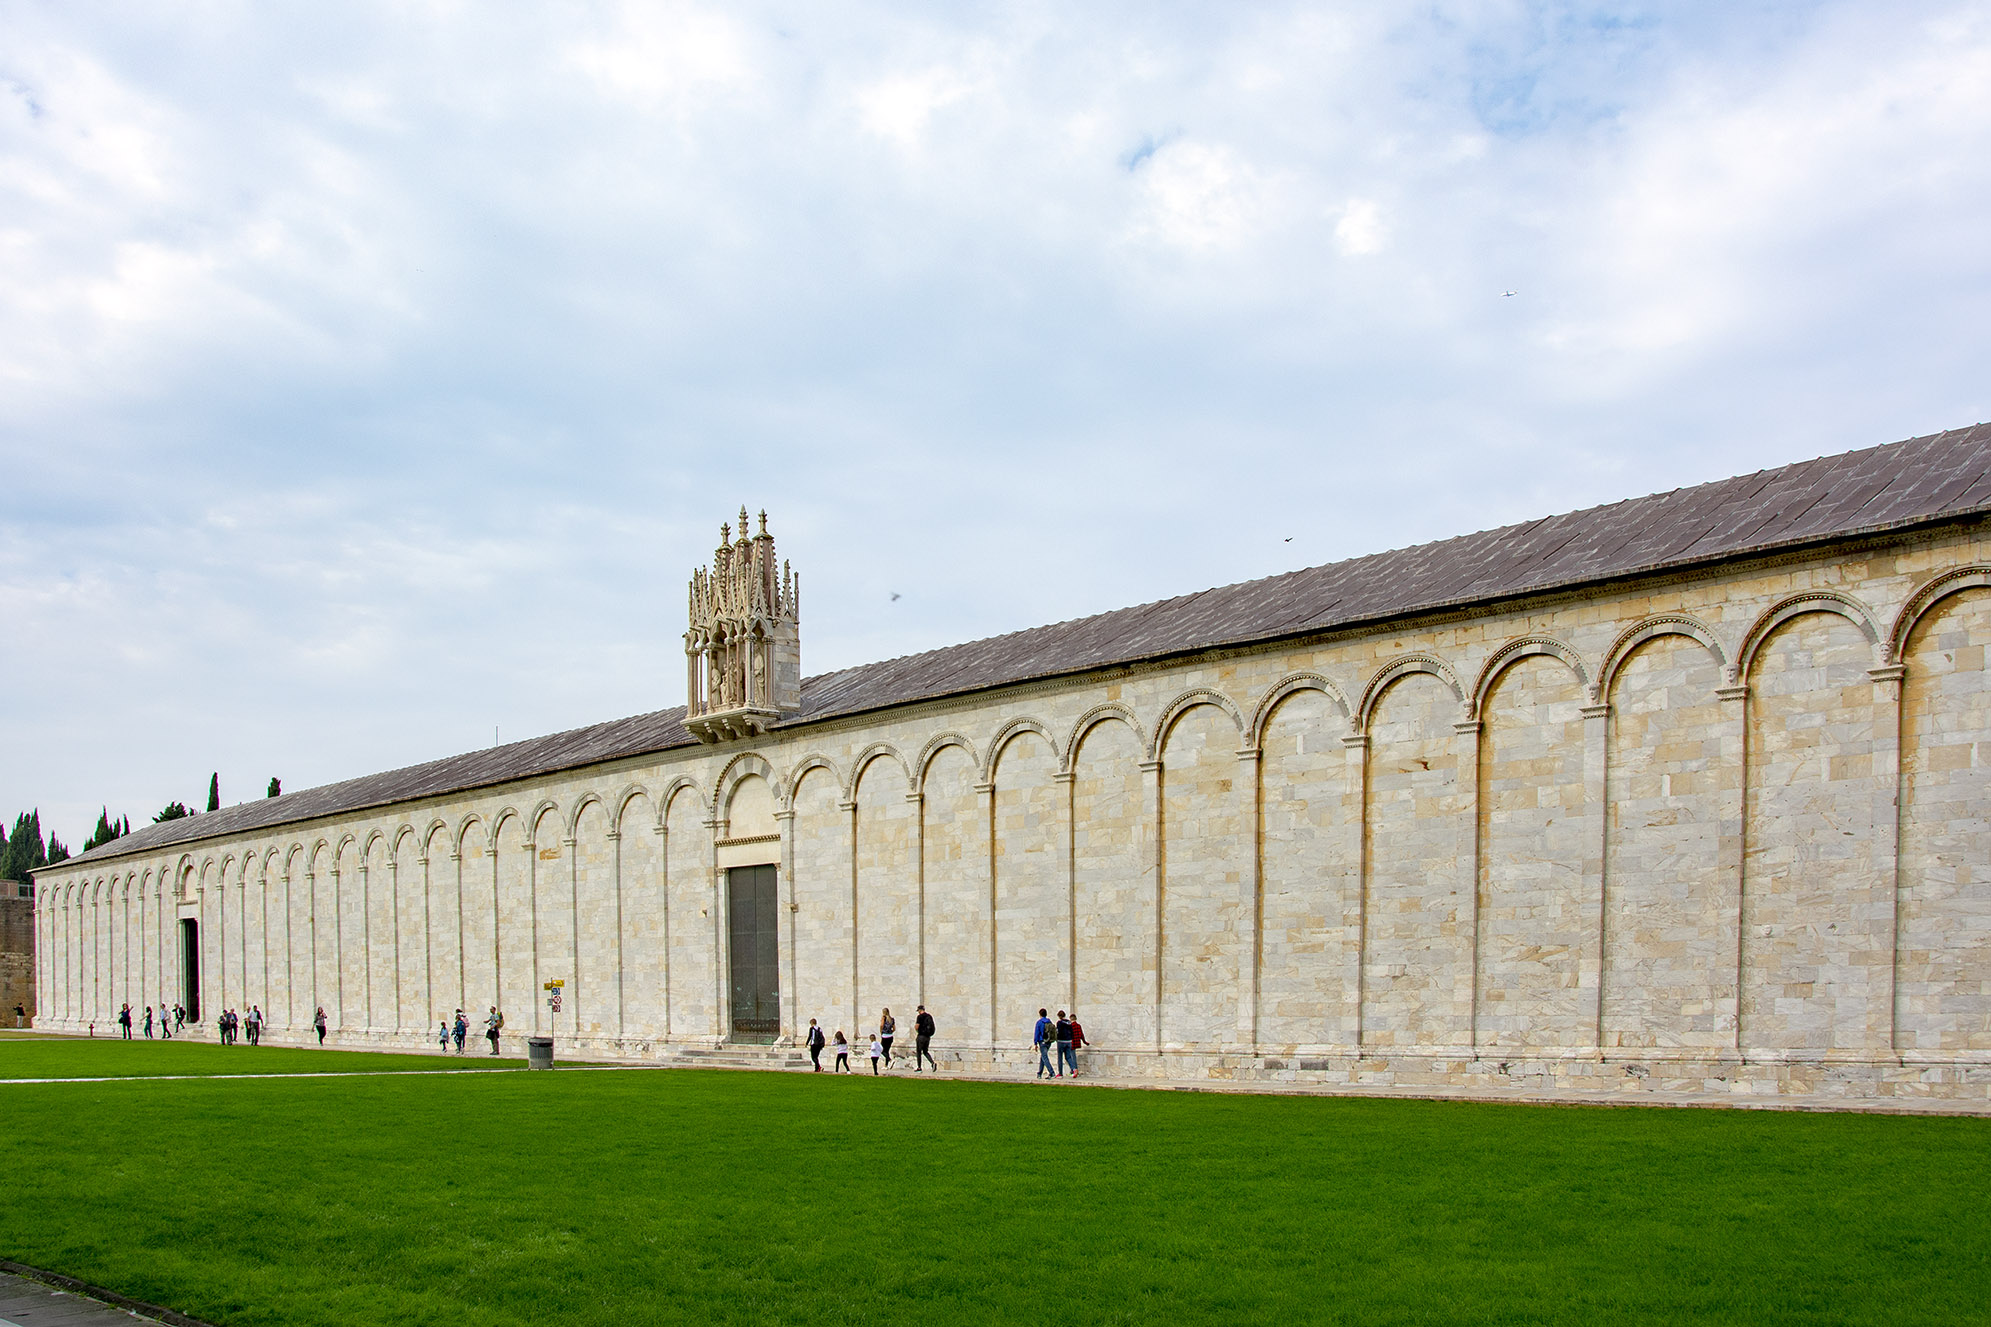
887, 1026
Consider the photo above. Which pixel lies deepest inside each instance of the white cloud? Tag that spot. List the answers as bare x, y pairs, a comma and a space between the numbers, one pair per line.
1360, 231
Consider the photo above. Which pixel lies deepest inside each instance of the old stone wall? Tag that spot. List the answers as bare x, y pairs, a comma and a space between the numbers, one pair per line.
17, 953
1728, 831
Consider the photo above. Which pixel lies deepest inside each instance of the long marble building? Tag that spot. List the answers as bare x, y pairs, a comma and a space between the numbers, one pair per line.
1690, 791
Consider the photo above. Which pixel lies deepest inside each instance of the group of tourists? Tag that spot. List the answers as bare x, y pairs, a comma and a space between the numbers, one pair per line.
1057, 1041
1061, 1036
167, 1027
457, 1030
232, 1025
881, 1044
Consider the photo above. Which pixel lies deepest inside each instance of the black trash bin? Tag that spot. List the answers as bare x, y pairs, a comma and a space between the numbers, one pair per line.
539, 1052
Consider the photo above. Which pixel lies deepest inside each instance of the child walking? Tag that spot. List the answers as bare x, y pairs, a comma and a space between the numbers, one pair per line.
877, 1053
842, 1053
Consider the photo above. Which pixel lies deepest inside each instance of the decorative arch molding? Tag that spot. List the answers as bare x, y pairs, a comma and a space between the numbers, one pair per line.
463, 832
405, 831
746, 764
1191, 699
373, 837
438, 825
582, 803
620, 807
227, 860
1291, 685
1797, 605
539, 812
1395, 671
1662, 624
339, 849
1931, 593
273, 851
1110, 712
311, 861
875, 752
681, 786
1008, 733
784, 792
1513, 652
497, 825
931, 752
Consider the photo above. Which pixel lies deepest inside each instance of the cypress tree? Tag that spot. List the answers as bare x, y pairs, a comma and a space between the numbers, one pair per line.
56, 852
24, 847
214, 791
106, 830
173, 811
276, 788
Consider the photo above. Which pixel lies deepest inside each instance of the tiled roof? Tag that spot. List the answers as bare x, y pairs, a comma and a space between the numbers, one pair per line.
1943, 476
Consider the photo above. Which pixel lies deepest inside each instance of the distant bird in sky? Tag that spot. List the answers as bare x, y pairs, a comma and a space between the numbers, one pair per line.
1507, 293
895, 596
1289, 539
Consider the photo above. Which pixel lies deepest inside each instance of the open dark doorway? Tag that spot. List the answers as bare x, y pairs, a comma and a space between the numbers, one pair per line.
190, 968
755, 953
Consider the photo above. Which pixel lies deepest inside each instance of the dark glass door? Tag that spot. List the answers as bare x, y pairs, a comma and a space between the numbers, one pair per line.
755, 953
190, 968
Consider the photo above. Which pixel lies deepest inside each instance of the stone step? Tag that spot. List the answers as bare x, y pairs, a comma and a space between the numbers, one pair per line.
740, 1057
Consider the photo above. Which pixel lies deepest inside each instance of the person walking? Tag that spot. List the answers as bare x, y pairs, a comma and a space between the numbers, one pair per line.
165, 1022
1041, 1038
442, 1035
842, 1052
887, 1027
923, 1039
148, 1022
1078, 1040
1062, 1030
255, 1025
179, 1019
460, 1030
493, 1026
124, 1022
318, 1021
814, 1041
876, 1051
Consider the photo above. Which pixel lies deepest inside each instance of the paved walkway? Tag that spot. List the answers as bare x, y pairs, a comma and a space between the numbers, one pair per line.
26, 1303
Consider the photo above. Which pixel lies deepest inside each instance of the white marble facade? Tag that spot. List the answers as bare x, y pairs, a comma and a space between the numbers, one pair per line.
1727, 830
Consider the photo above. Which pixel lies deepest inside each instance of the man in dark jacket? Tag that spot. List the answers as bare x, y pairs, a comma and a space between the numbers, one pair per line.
814, 1041
923, 1040
1042, 1039
1061, 1032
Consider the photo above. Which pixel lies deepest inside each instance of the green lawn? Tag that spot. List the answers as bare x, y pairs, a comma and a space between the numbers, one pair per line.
695, 1196
28, 1055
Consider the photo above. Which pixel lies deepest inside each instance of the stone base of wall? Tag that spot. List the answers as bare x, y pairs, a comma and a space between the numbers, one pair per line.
1839, 1081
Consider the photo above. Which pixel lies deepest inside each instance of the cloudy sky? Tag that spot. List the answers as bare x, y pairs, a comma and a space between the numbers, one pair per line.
372, 377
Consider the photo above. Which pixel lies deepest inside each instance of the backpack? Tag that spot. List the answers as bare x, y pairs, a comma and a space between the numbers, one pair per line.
924, 1025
